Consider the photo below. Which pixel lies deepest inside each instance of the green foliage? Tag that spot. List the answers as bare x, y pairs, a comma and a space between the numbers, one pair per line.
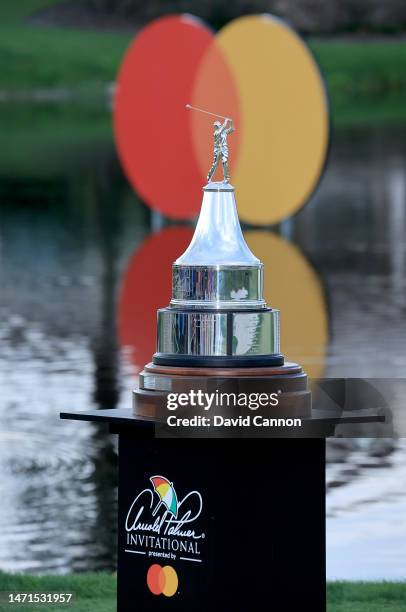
12, 13
314, 16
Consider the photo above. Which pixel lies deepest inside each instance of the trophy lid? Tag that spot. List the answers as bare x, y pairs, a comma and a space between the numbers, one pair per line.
218, 239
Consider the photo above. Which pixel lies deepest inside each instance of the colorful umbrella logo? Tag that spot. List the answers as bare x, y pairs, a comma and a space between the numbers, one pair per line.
166, 493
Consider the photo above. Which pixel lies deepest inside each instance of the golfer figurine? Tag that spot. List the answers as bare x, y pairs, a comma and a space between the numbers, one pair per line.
221, 131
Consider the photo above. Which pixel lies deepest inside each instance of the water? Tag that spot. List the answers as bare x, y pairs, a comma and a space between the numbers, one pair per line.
70, 230
366, 518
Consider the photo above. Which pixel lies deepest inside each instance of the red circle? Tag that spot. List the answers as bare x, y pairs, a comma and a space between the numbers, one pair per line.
147, 286
150, 120
156, 579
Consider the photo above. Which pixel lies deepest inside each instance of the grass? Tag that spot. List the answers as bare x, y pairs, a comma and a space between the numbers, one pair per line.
51, 57
367, 68
97, 593
366, 80
92, 592
366, 596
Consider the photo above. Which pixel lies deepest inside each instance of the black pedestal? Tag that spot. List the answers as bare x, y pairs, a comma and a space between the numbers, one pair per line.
259, 541
247, 532
243, 528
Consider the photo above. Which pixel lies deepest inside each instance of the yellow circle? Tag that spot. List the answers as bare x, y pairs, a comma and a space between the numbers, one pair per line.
292, 286
171, 581
284, 117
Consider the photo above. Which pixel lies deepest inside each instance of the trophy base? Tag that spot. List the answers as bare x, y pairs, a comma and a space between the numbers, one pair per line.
288, 380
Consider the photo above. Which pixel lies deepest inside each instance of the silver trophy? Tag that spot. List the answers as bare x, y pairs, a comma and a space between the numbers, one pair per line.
217, 315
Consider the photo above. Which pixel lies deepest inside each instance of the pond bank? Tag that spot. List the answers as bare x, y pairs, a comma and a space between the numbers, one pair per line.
366, 78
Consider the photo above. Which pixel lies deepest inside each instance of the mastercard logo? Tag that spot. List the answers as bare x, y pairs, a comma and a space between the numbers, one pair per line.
162, 580
256, 70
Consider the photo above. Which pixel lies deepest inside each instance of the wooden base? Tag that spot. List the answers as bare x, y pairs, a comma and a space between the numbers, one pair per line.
288, 381
287, 368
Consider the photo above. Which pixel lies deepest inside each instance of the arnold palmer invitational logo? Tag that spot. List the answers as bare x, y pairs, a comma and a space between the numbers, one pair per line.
159, 524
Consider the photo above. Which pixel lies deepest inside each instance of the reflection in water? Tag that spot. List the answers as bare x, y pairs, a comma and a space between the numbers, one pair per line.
54, 490
397, 226
146, 286
65, 242
354, 232
293, 286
